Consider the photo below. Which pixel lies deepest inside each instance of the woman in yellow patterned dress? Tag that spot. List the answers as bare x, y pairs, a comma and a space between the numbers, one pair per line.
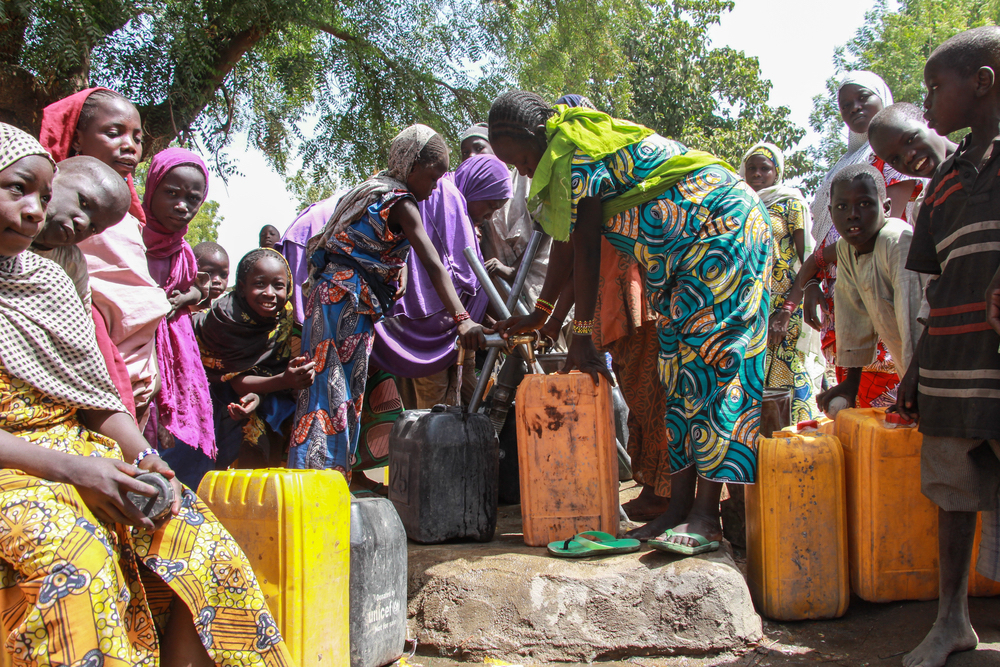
763, 167
85, 578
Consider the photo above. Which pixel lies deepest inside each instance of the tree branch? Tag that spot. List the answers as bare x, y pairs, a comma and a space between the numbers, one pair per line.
160, 118
461, 94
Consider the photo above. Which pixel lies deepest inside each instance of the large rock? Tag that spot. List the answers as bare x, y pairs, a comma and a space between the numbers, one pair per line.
469, 603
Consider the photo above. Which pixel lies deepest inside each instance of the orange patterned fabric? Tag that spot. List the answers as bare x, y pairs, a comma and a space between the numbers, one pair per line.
626, 327
621, 298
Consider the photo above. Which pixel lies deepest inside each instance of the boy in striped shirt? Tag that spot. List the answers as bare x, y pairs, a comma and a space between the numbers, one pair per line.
954, 388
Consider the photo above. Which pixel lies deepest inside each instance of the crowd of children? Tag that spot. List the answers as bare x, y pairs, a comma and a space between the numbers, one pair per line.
122, 349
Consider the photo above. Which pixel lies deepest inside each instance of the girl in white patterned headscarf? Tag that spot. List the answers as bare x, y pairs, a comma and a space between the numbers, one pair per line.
358, 262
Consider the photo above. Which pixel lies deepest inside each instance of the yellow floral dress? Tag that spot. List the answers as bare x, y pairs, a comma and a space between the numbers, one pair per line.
76, 591
785, 364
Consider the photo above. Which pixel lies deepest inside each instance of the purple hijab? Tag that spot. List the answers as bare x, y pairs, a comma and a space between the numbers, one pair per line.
419, 339
483, 178
293, 246
183, 404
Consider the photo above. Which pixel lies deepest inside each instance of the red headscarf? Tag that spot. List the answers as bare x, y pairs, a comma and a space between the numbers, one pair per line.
59, 121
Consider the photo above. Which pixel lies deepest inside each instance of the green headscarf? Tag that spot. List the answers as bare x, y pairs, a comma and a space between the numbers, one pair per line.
598, 135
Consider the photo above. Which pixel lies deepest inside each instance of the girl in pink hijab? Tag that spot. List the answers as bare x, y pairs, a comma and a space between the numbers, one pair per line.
176, 187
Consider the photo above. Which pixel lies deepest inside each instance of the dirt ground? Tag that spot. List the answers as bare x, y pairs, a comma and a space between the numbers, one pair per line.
869, 635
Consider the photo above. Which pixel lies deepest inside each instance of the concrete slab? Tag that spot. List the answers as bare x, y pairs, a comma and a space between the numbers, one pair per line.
508, 601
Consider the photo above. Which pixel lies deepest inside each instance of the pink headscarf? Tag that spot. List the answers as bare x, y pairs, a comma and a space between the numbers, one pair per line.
160, 241
184, 405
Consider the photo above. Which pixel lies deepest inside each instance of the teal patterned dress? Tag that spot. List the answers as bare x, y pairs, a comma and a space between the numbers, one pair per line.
706, 247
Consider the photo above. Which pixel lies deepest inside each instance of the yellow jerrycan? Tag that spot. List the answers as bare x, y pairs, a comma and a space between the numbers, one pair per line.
892, 526
295, 527
567, 456
797, 527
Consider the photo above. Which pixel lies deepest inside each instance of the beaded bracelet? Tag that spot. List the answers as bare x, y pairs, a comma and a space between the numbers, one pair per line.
543, 306
551, 306
462, 316
583, 327
149, 451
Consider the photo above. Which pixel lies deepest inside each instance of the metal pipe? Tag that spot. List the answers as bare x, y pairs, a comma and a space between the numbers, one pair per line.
484, 378
496, 340
484, 281
522, 270
494, 297
522, 274
504, 289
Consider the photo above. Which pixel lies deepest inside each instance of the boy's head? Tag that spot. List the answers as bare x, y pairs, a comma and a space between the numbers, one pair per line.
961, 78
858, 205
899, 135
88, 196
269, 235
475, 141
213, 260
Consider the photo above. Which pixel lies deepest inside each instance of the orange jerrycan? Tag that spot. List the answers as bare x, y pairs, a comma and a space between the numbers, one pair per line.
797, 528
295, 527
892, 526
566, 451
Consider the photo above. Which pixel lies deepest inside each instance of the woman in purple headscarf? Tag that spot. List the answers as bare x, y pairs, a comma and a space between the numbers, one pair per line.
176, 187
417, 344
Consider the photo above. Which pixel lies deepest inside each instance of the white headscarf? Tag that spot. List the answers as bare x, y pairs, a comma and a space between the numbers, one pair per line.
403, 154
479, 130
779, 191
858, 151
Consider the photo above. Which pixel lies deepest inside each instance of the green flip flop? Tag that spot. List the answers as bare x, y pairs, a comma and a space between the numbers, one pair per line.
592, 543
704, 545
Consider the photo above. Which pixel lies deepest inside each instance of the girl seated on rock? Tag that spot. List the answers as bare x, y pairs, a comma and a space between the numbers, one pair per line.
86, 578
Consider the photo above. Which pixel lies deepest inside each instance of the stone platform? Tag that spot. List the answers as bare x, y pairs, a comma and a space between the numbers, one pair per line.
507, 601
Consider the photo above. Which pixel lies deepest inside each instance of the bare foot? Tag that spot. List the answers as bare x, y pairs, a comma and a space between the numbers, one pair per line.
945, 638
647, 506
657, 526
708, 527
676, 512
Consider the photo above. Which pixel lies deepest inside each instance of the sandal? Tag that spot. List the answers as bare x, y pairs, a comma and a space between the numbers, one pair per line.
592, 543
704, 546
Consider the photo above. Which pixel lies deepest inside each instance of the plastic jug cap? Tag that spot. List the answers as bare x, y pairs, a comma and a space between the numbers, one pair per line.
440, 407
896, 418
808, 424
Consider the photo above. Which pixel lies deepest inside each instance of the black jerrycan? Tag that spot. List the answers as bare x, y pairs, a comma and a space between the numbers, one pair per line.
378, 583
443, 474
